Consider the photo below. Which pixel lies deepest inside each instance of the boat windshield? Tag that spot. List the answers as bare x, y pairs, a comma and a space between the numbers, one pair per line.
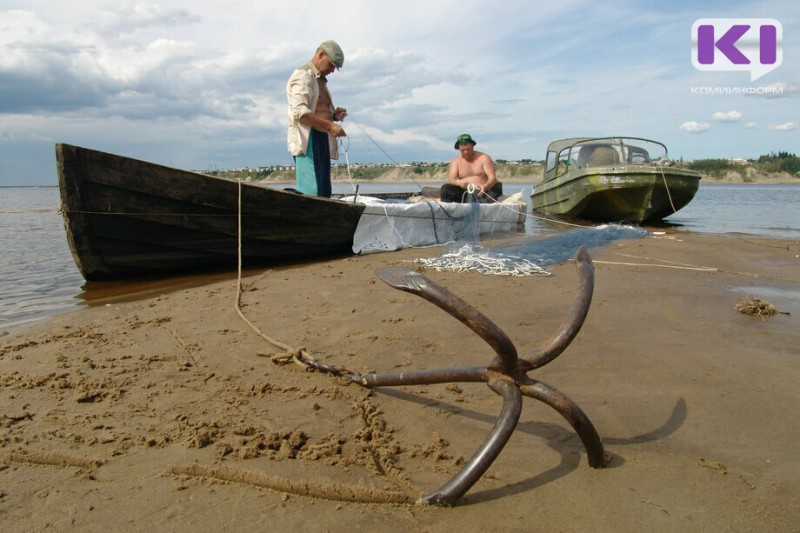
563, 156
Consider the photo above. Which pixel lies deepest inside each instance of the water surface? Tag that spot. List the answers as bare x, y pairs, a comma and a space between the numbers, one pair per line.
38, 277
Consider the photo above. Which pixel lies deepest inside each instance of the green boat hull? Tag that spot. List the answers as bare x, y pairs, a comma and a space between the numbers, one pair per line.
633, 193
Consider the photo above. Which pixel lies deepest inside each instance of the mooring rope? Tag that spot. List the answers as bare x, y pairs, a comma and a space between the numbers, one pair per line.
666, 186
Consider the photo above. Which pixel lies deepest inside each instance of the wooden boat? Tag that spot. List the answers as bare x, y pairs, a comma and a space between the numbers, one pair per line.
127, 218
607, 179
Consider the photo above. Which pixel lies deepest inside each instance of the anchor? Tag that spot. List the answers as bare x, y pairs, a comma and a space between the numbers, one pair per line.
506, 374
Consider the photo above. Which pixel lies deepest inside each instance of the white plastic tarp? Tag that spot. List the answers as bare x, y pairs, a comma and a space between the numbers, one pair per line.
386, 226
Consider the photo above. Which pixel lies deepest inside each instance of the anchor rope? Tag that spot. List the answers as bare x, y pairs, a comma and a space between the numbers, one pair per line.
301, 357
666, 186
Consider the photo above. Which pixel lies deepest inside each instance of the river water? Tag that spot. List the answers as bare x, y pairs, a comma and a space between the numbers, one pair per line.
38, 277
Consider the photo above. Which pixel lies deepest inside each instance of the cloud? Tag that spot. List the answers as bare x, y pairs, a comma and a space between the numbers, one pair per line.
694, 127
751, 125
727, 116
193, 84
128, 17
777, 90
787, 126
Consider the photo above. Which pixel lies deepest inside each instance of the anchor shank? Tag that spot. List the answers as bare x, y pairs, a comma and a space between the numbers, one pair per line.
424, 377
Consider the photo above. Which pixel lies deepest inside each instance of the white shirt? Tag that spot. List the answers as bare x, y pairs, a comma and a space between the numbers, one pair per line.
302, 92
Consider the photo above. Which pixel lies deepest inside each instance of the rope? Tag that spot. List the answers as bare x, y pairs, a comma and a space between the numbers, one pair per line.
533, 215
139, 213
701, 269
344, 150
227, 215
300, 356
556, 221
400, 235
666, 187
471, 189
472, 218
337, 492
378, 146
688, 266
461, 260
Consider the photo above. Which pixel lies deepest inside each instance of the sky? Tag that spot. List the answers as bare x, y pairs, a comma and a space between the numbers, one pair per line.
200, 84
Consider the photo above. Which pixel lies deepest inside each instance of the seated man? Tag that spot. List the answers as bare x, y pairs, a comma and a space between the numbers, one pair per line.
470, 168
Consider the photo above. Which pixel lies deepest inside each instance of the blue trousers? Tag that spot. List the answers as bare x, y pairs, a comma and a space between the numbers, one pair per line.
313, 169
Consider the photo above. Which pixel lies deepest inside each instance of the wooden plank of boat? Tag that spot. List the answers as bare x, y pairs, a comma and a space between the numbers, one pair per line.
130, 218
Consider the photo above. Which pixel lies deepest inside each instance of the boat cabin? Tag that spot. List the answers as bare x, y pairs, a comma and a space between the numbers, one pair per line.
567, 155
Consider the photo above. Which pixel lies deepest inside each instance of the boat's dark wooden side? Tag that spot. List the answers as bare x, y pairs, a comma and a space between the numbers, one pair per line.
128, 218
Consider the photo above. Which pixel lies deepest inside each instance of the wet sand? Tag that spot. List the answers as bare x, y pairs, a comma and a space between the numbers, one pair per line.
172, 413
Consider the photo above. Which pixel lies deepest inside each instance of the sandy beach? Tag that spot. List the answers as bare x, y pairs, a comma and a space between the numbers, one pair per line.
171, 413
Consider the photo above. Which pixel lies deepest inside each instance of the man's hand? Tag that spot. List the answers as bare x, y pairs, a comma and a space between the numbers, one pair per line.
336, 130
339, 114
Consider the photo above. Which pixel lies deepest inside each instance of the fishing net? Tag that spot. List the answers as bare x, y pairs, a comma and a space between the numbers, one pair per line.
386, 226
472, 257
529, 258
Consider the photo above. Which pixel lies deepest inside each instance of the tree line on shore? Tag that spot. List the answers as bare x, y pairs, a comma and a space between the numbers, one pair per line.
780, 162
766, 164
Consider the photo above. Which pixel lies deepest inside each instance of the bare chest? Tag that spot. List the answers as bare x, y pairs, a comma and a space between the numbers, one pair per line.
470, 168
324, 103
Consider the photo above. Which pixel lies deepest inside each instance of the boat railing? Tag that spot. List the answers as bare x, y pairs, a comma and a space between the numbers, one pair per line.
603, 152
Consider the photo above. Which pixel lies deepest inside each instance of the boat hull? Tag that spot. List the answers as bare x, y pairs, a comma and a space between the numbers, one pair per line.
127, 218
626, 194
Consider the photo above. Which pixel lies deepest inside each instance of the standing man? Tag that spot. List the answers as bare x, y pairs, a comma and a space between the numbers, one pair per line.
470, 167
312, 131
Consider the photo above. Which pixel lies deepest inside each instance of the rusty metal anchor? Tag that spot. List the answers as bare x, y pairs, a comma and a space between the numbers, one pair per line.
506, 375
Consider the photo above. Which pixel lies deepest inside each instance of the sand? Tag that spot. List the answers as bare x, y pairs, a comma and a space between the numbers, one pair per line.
170, 413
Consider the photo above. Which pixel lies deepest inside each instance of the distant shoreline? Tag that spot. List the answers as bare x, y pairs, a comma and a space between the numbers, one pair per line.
784, 179
704, 181
398, 175
510, 174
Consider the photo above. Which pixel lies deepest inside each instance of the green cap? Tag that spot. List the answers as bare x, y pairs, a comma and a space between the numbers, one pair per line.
333, 51
464, 138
